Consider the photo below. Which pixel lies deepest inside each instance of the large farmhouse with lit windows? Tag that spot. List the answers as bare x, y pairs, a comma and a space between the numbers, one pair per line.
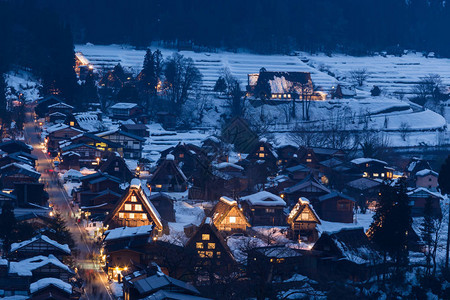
134, 209
282, 86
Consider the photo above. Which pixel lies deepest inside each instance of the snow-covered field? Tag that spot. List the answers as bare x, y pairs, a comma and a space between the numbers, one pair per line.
387, 112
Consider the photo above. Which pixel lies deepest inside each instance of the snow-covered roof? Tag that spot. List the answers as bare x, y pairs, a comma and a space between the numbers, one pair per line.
170, 157
60, 104
418, 192
228, 200
126, 232
135, 183
45, 282
363, 160
123, 105
426, 172
22, 166
224, 165
72, 173
27, 266
264, 198
17, 246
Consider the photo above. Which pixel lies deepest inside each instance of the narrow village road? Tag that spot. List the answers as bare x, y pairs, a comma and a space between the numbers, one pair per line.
95, 279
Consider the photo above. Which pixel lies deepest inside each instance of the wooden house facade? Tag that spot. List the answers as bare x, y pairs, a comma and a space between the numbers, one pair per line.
131, 144
39, 245
114, 165
418, 199
264, 209
336, 207
168, 177
210, 248
164, 205
302, 222
134, 209
227, 216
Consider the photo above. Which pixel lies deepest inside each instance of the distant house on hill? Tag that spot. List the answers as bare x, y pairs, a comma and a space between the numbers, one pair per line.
139, 130
264, 209
415, 165
132, 144
343, 91
282, 86
12, 146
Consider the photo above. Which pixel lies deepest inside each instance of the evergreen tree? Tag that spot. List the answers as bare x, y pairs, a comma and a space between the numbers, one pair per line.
119, 72
220, 86
148, 78
444, 186
427, 231
89, 90
392, 221
7, 224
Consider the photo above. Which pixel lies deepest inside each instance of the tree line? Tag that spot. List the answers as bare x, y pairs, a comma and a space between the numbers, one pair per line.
356, 27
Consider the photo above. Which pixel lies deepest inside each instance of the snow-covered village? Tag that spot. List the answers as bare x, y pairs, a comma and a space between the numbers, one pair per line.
147, 152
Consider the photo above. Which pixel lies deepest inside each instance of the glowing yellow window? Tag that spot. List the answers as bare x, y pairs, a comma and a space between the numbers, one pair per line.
375, 175
158, 186
121, 215
144, 216
181, 155
128, 207
289, 95
201, 254
209, 254
261, 148
261, 155
131, 216
133, 198
199, 245
382, 174
232, 219
309, 160
138, 207
205, 237
211, 246
72, 123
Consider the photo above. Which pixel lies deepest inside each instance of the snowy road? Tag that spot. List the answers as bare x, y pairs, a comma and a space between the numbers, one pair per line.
94, 278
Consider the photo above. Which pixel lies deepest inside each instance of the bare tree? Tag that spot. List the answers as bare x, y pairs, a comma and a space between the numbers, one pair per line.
429, 87
359, 76
181, 78
307, 136
404, 130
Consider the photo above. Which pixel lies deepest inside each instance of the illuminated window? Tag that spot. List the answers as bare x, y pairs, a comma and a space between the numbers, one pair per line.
181, 155
131, 216
261, 155
305, 216
309, 154
232, 219
158, 186
284, 95
199, 245
144, 216
211, 246
365, 174
209, 254
261, 148
279, 96
133, 199
309, 160
375, 174
201, 254
205, 237
128, 207
138, 207
121, 215
382, 174
72, 123
280, 260
218, 253
367, 165
289, 95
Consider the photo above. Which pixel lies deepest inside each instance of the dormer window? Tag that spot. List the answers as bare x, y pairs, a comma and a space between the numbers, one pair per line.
261, 148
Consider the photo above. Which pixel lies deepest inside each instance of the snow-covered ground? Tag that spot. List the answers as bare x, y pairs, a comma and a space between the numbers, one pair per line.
388, 113
23, 82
